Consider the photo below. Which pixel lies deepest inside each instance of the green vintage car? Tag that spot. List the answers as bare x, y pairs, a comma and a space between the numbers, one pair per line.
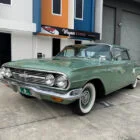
78, 74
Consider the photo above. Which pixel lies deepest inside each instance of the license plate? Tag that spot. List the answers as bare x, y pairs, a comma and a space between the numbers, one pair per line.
25, 91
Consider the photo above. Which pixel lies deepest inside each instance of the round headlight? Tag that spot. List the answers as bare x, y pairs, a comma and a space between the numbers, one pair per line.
2, 71
61, 82
50, 80
8, 73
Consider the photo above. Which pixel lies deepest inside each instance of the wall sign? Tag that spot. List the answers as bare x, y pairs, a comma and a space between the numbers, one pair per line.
70, 33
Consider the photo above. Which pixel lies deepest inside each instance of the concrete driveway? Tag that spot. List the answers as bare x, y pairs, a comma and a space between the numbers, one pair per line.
115, 117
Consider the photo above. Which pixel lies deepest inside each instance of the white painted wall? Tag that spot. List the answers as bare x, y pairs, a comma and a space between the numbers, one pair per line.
71, 14
19, 14
25, 45
21, 45
43, 44
99, 17
12, 25
20, 10
66, 42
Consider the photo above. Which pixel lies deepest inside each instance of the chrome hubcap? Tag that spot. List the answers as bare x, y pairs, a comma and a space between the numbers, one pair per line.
85, 98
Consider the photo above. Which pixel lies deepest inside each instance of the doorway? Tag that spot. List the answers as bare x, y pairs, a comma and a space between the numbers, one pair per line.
5, 48
55, 46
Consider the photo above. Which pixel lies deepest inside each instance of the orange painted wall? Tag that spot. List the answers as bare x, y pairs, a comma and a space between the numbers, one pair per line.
47, 18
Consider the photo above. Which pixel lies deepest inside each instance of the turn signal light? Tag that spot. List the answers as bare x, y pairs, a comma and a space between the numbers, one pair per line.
56, 99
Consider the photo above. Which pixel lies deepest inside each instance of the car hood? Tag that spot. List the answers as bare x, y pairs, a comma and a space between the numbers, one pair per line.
64, 65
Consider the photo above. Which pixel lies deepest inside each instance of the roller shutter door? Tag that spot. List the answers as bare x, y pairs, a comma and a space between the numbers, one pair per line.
108, 25
130, 33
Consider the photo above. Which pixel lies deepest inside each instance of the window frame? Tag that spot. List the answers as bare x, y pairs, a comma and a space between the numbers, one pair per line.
115, 48
5, 4
60, 9
126, 54
121, 50
82, 11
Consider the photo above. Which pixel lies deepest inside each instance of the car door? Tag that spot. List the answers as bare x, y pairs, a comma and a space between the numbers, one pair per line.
118, 70
129, 67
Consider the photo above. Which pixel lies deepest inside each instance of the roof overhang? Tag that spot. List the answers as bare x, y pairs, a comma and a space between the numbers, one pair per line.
11, 25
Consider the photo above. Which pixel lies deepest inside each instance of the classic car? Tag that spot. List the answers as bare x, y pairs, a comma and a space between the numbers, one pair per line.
77, 75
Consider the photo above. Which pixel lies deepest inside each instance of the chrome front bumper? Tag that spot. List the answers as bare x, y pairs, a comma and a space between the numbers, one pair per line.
36, 91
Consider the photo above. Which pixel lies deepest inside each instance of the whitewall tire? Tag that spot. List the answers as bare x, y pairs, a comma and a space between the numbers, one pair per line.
87, 100
134, 85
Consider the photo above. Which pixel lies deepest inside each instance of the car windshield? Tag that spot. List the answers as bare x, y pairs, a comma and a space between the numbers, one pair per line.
86, 51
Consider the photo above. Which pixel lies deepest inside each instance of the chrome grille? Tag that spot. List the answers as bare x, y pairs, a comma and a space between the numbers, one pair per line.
29, 76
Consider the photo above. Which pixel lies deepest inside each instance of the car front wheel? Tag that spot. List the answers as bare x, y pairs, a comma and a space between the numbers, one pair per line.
87, 100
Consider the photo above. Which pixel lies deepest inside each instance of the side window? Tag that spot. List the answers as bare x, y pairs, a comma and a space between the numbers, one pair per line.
5, 1
57, 7
69, 52
117, 53
79, 8
125, 55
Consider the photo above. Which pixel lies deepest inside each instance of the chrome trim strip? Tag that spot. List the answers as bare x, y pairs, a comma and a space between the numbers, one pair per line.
44, 86
37, 91
54, 72
30, 76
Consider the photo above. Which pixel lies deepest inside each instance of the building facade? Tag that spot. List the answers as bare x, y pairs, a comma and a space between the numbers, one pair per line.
16, 28
121, 24
30, 27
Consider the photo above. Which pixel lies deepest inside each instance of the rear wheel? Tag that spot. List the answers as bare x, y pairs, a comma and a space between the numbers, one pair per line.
86, 102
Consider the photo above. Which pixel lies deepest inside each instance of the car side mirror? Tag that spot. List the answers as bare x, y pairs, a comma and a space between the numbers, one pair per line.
102, 58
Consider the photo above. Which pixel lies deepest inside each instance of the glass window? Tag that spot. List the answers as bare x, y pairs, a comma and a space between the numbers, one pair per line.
120, 54
5, 1
79, 9
117, 53
56, 6
87, 51
69, 53
125, 55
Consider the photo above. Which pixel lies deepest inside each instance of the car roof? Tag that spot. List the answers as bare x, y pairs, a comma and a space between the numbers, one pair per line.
83, 45
118, 46
111, 46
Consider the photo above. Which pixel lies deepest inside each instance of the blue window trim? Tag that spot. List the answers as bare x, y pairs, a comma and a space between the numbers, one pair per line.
93, 17
37, 15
